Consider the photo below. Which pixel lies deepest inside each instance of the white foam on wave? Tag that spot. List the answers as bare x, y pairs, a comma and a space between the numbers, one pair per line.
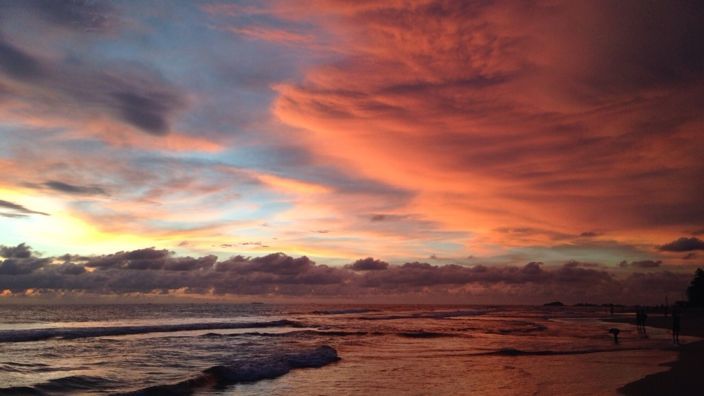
252, 371
427, 315
85, 332
63, 385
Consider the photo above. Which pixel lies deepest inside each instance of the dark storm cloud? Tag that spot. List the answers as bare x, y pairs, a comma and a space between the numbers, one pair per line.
641, 44
137, 97
613, 92
77, 14
128, 93
190, 263
19, 251
70, 269
149, 259
18, 209
368, 264
683, 245
17, 64
276, 263
159, 271
73, 258
146, 110
21, 266
81, 15
416, 274
74, 189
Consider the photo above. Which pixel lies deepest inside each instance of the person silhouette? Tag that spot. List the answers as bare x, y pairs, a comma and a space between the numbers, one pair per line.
676, 326
643, 320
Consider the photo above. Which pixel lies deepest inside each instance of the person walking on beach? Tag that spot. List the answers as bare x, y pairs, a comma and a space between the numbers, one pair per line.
675, 327
643, 320
639, 321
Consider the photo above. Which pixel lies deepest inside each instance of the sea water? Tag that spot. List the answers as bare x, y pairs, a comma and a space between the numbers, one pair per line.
257, 349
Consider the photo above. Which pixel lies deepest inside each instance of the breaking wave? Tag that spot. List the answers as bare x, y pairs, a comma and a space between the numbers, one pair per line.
85, 332
339, 333
427, 315
70, 384
260, 369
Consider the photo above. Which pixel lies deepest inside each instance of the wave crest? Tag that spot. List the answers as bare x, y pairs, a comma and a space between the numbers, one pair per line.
223, 375
86, 332
63, 385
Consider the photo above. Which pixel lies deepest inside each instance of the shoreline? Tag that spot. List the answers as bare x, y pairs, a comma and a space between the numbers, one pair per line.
684, 375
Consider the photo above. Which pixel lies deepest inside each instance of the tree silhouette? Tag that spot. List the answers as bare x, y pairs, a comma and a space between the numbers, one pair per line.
695, 291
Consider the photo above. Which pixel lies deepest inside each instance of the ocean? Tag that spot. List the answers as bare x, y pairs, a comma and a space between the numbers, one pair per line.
268, 349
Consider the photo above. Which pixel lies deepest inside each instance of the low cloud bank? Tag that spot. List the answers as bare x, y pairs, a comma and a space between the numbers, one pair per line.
154, 271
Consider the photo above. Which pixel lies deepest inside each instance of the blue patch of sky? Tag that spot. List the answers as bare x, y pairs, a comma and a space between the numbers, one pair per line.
229, 79
443, 247
607, 254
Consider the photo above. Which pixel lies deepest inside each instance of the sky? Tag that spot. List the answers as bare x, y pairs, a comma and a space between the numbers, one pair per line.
454, 151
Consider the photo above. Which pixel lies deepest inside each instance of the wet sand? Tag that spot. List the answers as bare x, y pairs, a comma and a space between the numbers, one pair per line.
684, 376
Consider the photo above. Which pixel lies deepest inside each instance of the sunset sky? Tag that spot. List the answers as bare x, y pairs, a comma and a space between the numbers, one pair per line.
491, 148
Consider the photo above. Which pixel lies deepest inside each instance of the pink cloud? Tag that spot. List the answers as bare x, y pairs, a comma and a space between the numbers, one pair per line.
514, 114
269, 34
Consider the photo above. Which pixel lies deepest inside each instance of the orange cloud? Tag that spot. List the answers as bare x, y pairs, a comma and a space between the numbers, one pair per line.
273, 35
489, 116
291, 185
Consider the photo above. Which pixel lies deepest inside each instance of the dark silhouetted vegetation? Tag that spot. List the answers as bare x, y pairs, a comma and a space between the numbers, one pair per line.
695, 291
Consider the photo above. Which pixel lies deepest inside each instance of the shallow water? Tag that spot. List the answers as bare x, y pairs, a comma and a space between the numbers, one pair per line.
286, 349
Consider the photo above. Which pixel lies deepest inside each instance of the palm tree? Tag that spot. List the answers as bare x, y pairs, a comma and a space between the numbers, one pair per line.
695, 291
